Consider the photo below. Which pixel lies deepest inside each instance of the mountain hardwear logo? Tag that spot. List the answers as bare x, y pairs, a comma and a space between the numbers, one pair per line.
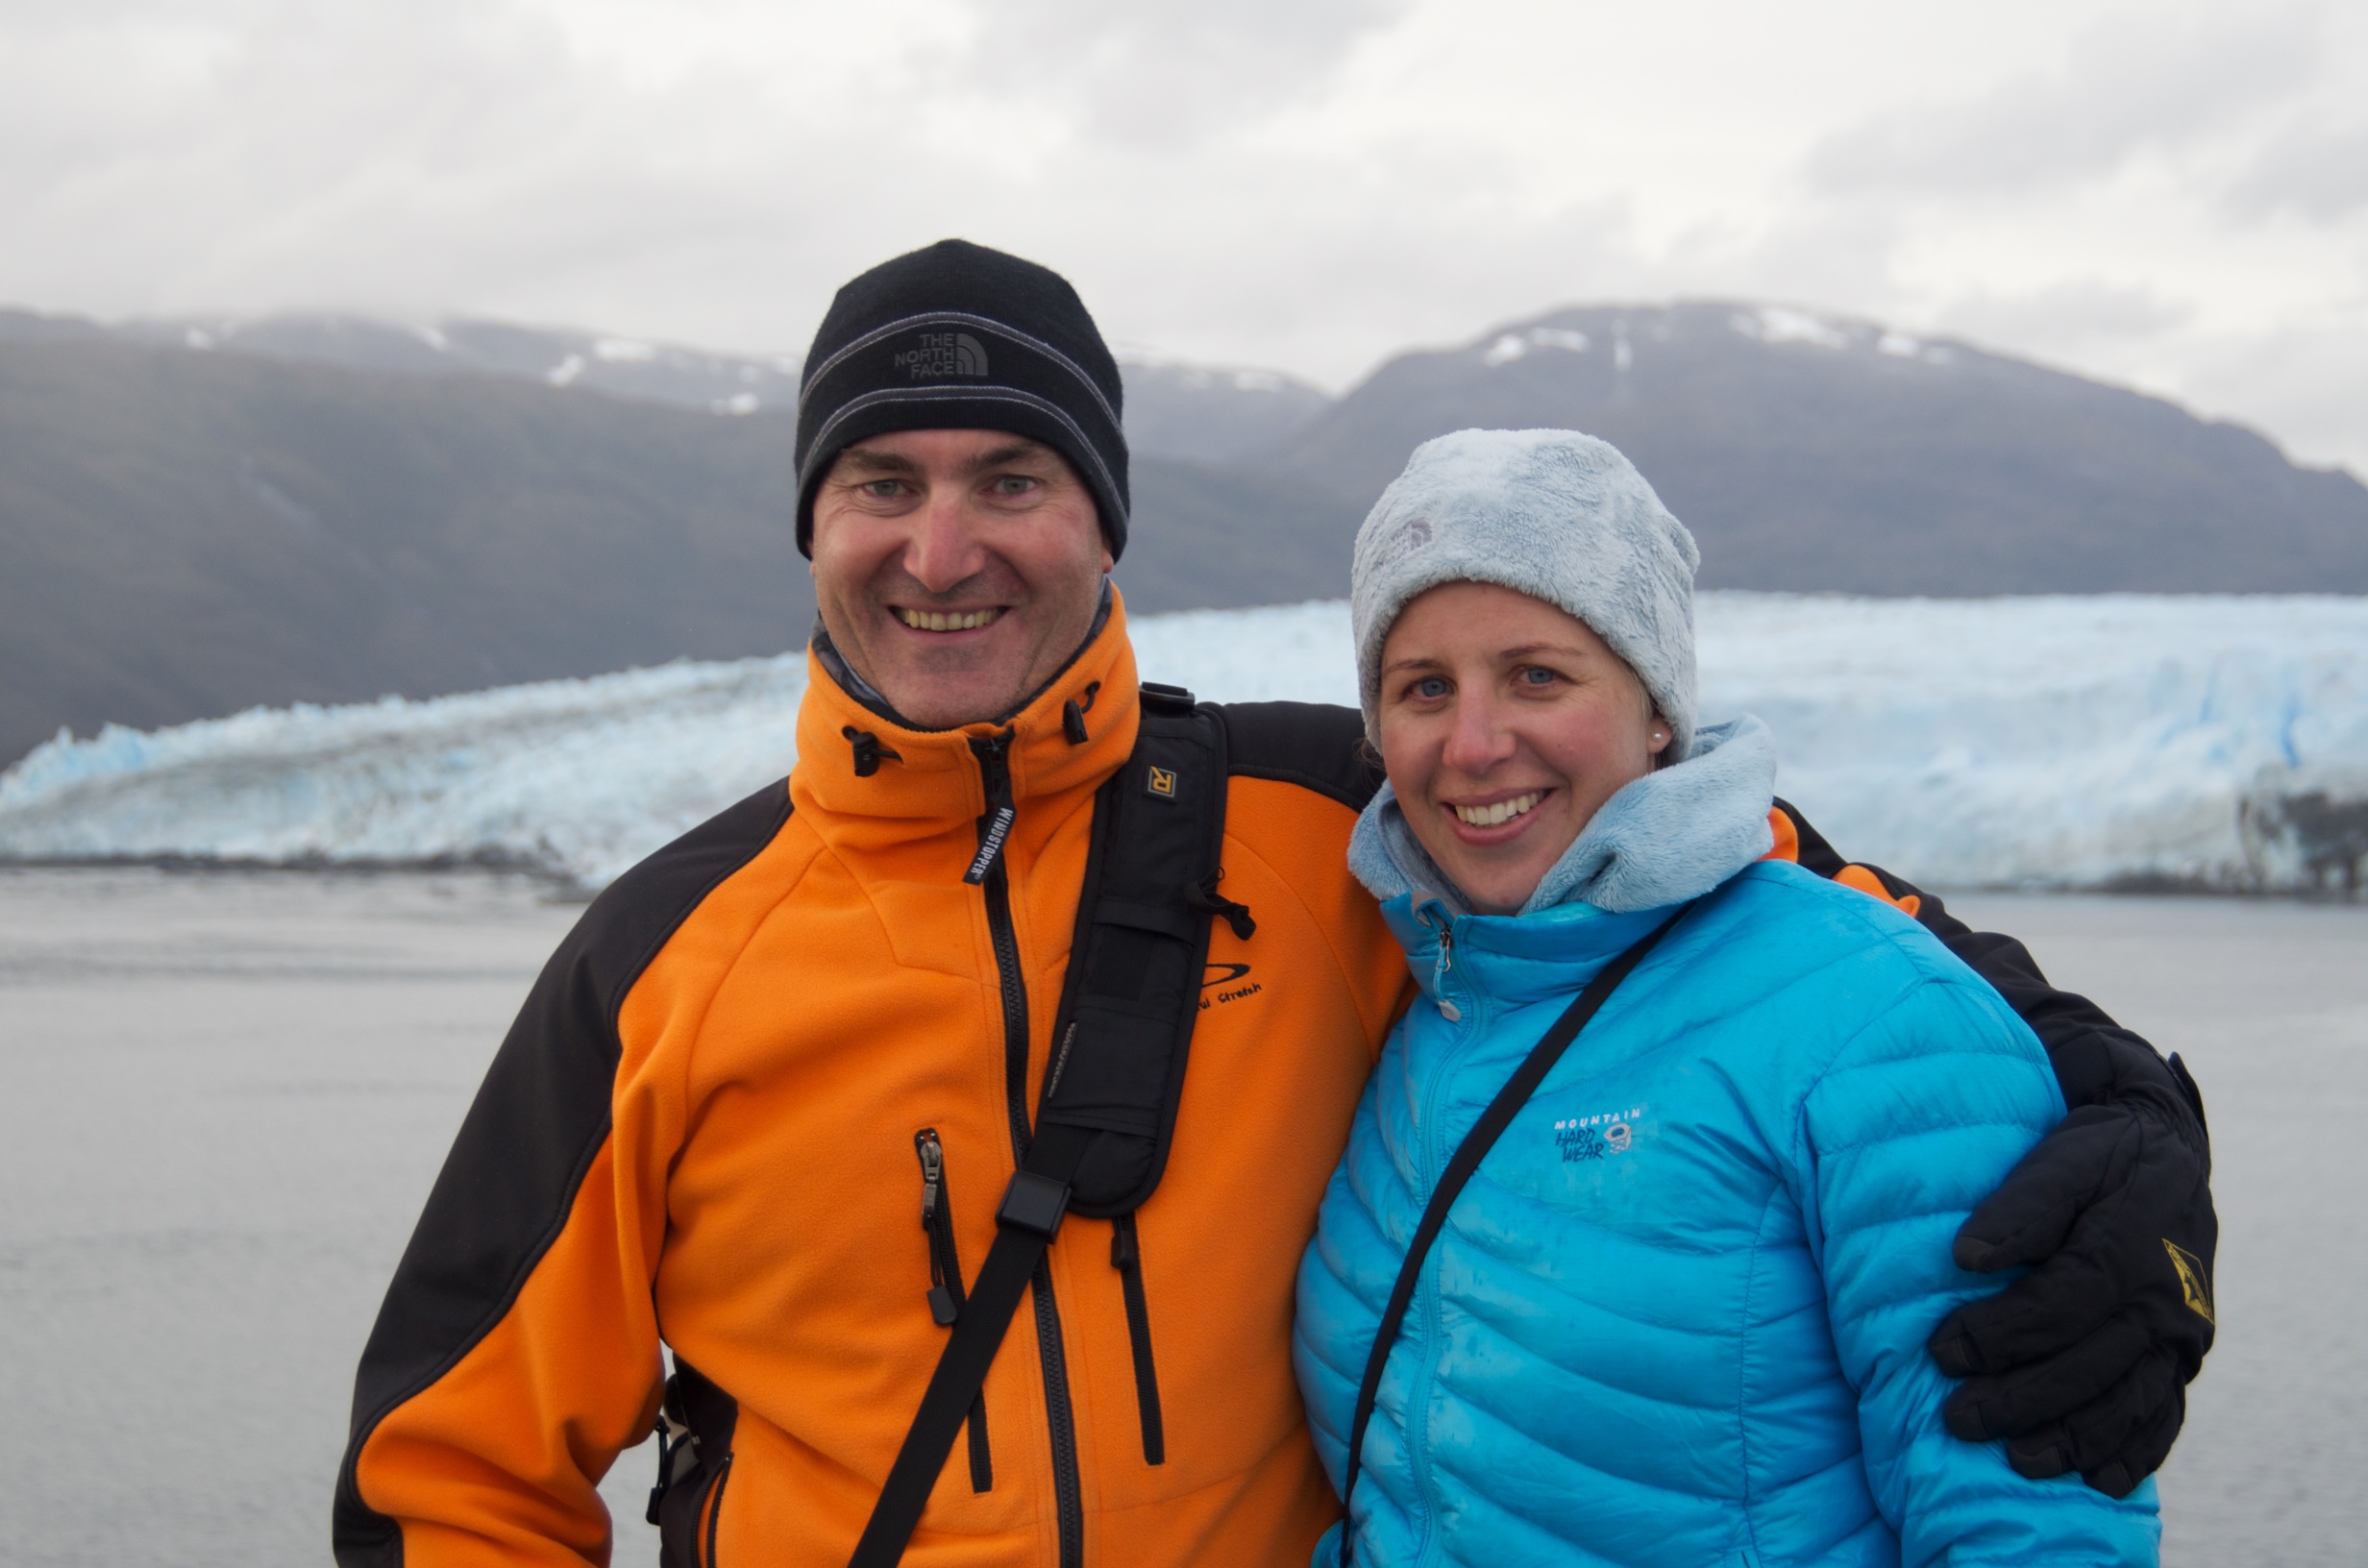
2194, 1282
1599, 1137
937, 355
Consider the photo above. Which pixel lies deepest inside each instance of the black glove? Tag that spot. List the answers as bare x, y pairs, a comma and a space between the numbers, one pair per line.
2083, 1363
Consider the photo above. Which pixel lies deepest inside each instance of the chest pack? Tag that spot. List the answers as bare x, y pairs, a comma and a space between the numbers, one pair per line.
1107, 1111
1097, 1142
1100, 1138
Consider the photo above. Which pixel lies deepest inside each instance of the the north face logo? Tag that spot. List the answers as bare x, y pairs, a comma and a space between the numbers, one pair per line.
937, 354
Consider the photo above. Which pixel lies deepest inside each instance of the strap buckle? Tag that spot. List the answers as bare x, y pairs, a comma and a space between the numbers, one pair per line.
1164, 698
1034, 1204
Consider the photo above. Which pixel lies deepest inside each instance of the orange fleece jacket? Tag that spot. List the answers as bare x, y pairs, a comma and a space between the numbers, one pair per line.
702, 1133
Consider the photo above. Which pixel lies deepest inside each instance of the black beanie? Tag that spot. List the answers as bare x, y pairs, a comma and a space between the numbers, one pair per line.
961, 338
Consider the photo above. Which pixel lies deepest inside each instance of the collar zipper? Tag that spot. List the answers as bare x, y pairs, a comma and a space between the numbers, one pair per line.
988, 870
1439, 971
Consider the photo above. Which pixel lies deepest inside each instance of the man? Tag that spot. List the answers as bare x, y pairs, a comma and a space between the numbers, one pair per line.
763, 1104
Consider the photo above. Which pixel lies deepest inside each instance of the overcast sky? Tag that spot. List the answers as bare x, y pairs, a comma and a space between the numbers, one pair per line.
2170, 195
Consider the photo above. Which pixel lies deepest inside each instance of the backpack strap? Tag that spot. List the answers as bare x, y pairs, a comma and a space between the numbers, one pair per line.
1120, 1044
1467, 1160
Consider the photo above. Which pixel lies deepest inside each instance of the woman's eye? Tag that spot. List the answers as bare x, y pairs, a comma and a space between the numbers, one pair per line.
1535, 676
1430, 687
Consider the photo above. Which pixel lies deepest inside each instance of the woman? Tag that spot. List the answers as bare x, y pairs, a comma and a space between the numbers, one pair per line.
1678, 1313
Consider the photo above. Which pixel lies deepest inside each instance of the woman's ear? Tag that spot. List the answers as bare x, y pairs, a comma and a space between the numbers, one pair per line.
1657, 737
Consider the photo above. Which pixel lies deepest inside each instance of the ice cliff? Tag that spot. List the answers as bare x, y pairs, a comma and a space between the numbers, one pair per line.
2114, 741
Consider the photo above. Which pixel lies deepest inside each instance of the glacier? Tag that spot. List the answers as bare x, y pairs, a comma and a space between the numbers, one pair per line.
2079, 742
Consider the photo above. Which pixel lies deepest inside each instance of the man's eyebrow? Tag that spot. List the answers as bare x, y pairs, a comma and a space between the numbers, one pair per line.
1011, 452
879, 462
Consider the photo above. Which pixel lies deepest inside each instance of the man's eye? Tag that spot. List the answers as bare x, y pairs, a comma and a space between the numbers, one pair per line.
1013, 484
884, 489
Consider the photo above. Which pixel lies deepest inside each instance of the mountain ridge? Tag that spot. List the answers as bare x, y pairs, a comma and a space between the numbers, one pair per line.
339, 509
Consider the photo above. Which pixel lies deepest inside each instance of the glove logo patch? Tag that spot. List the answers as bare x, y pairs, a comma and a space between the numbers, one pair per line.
2194, 1284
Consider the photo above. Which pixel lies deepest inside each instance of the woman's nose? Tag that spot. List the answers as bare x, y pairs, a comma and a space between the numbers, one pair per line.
1479, 738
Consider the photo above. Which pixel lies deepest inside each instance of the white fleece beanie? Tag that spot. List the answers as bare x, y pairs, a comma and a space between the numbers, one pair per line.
1553, 514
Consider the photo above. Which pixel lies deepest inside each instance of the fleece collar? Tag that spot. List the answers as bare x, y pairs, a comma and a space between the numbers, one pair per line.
927, 779
1672, 835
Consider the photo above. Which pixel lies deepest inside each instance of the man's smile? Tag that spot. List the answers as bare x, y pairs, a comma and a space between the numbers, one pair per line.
947, 620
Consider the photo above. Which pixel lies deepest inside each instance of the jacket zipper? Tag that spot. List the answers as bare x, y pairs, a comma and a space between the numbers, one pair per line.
1435, 1155
945, 1292
1438, 975
1127, 1257
715, 1510
995, 773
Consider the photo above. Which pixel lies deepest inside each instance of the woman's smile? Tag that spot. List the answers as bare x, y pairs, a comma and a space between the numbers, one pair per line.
1499, 818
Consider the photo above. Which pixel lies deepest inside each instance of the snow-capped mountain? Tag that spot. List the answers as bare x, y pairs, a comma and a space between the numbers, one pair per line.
196, 517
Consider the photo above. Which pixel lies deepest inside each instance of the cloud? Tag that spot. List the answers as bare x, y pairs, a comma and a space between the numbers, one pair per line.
2135, 85
1157, 72
2316, 170
1309, 184
2303, 383
2063, 319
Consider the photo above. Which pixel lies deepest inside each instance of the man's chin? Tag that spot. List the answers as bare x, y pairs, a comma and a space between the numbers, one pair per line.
949, 699
937, 680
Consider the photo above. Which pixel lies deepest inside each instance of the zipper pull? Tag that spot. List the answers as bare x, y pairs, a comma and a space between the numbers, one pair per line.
995, 773
1439, 975
932, 1154
932, 1176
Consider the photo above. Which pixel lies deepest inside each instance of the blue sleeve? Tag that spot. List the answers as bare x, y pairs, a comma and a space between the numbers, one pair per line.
1919, 1118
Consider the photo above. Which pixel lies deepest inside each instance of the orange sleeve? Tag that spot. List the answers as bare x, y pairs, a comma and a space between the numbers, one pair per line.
500, 1459
517, 1349
1788, 847
1872, 885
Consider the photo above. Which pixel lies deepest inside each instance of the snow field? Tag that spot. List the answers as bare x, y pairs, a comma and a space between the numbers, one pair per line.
2062, 741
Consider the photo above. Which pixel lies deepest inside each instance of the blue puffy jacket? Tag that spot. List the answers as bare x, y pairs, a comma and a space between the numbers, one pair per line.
1678, 1316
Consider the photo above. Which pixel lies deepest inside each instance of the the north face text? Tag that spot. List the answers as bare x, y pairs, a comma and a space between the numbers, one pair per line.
937, 355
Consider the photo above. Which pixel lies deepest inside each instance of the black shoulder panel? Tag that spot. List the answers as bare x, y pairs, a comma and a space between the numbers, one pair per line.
541, 1115
1816, 855
1313, 745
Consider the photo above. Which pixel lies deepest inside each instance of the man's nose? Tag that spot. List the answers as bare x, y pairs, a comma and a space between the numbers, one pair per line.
943, 549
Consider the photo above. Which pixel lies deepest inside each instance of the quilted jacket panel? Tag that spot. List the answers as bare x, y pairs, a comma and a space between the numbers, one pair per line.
1678, 1316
